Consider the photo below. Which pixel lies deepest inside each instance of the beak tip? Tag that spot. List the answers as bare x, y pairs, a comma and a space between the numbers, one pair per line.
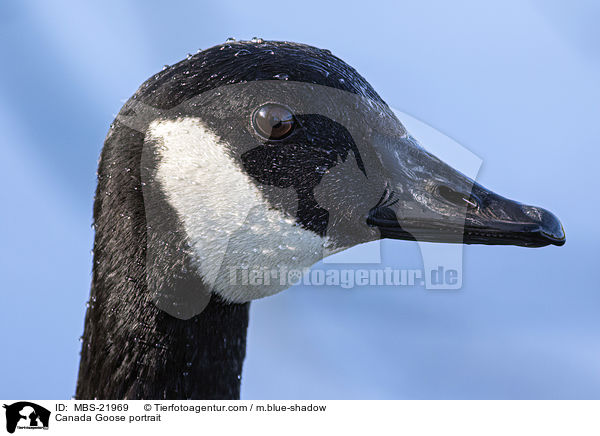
552, 229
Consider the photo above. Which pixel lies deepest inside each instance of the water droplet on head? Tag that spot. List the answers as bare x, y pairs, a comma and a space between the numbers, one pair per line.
258, 40
281, 76
342, 81
230, 39
189, 56
165, 67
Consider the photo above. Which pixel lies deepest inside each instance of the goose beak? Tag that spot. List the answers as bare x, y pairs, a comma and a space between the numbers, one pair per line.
439, 204
499, 221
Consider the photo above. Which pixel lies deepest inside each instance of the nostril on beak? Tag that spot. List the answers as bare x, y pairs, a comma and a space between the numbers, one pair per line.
456, 197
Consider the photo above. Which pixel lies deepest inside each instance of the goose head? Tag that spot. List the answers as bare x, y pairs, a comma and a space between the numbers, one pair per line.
269, 156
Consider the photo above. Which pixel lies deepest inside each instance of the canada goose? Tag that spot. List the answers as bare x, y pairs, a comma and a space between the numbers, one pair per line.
255, 154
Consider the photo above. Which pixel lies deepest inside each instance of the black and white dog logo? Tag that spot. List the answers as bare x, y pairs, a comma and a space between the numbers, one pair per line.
26, 415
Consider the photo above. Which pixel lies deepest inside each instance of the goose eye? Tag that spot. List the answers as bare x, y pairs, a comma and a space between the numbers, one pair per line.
273, 121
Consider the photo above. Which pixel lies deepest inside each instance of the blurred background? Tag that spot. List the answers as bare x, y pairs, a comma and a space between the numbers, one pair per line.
516, 82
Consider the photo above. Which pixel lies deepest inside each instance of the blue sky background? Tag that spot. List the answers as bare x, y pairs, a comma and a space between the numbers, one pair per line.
516, 82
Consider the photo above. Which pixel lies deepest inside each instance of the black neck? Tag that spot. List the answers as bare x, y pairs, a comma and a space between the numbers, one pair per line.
131, 349
156, 356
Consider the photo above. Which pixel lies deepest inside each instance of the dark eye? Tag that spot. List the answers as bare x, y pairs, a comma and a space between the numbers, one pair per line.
273, 121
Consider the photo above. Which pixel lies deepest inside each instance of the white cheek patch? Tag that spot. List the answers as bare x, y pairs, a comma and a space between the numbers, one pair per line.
229, 225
